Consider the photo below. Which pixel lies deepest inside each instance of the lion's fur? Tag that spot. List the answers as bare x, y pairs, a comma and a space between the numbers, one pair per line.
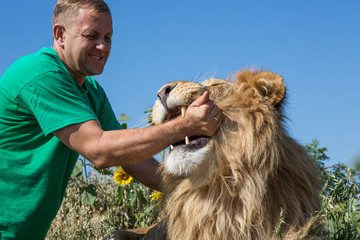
256, 174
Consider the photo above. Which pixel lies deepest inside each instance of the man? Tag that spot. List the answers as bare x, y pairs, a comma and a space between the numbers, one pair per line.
51, 111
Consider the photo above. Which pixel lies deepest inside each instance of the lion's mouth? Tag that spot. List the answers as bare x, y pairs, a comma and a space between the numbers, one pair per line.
194, 142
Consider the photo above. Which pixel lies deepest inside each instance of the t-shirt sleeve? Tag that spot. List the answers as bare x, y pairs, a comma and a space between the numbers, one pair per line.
55, 101
106, 115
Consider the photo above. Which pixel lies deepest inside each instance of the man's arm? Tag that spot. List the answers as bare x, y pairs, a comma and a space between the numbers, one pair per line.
129, 147
147, 173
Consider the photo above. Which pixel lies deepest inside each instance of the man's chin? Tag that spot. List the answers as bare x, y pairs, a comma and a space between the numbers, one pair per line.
93, 72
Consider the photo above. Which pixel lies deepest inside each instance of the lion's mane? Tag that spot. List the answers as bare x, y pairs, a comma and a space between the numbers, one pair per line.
257, 174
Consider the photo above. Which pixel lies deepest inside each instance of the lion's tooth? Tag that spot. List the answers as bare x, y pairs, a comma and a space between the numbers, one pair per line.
171, 147
187, 142
183, 110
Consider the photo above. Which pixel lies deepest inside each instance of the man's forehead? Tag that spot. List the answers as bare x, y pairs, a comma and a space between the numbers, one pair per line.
88, 19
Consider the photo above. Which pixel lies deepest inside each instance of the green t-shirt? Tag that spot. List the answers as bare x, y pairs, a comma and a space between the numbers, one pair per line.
37, 97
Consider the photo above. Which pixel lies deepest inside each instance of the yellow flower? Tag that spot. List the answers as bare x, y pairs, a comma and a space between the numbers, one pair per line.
121, 177
155, 196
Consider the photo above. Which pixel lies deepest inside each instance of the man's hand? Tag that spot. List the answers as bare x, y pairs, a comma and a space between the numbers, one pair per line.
203, 117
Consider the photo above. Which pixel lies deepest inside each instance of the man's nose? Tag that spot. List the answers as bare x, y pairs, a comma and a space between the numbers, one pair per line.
103, 44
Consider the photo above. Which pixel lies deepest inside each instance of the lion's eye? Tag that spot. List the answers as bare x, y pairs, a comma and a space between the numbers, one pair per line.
217, 84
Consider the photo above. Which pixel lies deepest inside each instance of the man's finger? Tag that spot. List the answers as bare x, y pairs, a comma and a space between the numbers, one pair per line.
201, 100
214, 110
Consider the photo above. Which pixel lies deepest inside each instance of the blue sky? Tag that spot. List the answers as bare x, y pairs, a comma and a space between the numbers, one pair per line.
314, 45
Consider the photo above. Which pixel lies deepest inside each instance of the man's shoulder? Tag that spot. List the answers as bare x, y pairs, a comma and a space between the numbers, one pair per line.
40, 65
93, 85
44, 60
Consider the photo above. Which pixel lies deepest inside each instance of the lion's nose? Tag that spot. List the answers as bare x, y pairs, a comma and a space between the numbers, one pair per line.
163, 94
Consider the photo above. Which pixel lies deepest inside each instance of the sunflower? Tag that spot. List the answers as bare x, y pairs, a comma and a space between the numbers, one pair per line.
121, 177
155, 196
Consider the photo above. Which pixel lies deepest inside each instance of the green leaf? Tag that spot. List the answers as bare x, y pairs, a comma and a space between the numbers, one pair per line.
149, 209
78, 169
132, 197
142, 198
124, 126
106, 171
89, 194
149, 110
124, 117
149, 117
120, 194
144, 213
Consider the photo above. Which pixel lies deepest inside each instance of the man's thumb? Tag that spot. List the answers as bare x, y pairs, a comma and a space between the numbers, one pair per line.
201, 100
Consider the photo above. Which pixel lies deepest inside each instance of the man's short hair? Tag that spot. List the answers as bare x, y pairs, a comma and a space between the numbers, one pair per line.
66, 10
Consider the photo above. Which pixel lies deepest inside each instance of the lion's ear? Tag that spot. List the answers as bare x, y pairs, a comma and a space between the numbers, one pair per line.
268, 84
271, 86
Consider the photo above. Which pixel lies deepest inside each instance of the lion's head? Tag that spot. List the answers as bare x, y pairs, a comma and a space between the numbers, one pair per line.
237, 183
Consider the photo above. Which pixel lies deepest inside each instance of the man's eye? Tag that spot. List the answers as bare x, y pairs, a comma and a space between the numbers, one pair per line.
91, 37
108, 39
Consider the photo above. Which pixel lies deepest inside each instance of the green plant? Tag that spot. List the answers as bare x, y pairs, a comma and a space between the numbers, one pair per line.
137, 199
278, 227
340, 197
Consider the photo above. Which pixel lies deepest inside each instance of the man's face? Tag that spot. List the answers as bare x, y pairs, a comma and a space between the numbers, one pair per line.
87, 44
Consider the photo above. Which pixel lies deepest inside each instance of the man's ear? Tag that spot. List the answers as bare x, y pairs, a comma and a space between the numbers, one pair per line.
59, 35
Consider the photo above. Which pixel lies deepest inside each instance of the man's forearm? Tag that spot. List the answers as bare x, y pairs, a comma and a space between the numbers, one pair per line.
147, 173
131, 146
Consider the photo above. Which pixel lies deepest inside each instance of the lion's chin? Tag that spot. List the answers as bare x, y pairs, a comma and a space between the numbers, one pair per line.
184, 159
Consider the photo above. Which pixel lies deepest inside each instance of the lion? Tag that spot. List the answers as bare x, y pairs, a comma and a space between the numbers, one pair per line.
250, 180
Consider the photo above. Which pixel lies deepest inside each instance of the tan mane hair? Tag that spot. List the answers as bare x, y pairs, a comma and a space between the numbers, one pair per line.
256, 174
